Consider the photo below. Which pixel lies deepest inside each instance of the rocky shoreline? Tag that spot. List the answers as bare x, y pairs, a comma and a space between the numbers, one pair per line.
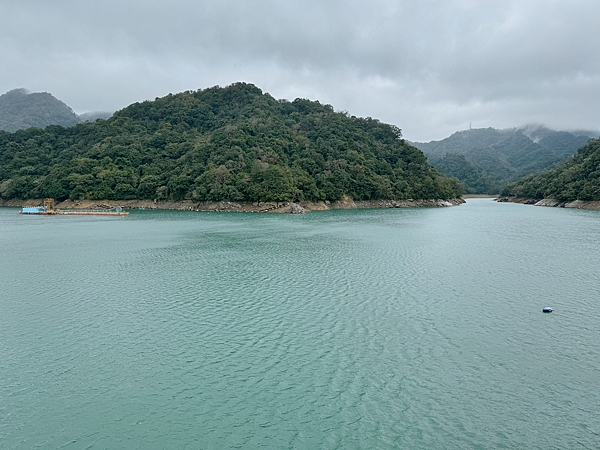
263, 207
577, 204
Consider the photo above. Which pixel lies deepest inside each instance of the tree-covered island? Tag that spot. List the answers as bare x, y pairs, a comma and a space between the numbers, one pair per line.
219, 144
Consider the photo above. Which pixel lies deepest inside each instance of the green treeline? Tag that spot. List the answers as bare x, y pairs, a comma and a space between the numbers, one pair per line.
576, 179
218, 144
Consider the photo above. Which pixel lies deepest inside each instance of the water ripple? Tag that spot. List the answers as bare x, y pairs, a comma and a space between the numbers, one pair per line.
341, 329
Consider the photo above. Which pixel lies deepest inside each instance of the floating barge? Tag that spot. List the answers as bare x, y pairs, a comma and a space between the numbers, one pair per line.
50, 210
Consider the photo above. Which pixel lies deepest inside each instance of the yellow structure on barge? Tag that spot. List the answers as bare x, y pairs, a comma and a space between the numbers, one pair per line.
49, 208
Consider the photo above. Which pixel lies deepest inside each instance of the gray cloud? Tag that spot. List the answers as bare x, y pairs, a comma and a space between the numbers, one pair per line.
428, 66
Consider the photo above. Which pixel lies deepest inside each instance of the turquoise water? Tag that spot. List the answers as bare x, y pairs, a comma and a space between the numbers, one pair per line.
365, 329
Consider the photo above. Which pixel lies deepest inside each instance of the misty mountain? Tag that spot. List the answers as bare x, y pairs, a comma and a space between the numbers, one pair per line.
94, 115
487, 159
20, 109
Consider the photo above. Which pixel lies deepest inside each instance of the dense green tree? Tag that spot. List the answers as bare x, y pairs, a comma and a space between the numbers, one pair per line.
576, 179
219, 144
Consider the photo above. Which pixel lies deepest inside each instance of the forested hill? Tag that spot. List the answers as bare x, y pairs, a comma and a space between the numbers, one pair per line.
232, 143
576, 179
487, 159
20, 109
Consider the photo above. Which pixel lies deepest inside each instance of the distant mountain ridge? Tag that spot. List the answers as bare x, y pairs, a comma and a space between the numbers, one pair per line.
94, 115
20, 109
488, 159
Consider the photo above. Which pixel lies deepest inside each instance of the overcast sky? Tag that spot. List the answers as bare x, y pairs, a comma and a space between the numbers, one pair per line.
431, 67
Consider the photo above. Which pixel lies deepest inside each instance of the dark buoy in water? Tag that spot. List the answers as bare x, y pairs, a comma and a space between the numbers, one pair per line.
547, 310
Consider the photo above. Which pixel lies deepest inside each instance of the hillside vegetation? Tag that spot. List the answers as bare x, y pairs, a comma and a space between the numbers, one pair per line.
232, 143
576, 179
486, 160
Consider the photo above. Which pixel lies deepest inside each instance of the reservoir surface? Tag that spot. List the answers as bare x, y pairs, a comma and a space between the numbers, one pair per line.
350, 329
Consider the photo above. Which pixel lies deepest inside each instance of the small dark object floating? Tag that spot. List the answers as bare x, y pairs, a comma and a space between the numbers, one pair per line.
547, 310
